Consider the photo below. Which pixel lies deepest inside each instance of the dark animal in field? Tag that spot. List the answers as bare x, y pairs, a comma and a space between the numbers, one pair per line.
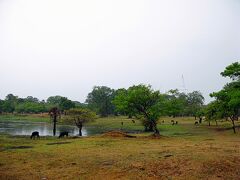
162, 121
35, 134
133, 121
196, 123
176, 122
62, 134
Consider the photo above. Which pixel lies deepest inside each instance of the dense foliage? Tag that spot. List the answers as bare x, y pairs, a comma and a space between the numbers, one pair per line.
100, 100
142, 102
227, 101
31, 104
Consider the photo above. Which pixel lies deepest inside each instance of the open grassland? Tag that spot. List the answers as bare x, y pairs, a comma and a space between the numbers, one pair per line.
25, 117
184, 151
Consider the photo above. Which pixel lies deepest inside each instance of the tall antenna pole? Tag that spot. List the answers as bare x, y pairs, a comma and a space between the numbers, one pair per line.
183, 84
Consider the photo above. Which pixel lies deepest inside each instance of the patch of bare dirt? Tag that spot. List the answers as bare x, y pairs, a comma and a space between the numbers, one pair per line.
58, 143
117, 134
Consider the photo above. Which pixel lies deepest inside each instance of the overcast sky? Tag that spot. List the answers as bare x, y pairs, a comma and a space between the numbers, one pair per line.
56, 47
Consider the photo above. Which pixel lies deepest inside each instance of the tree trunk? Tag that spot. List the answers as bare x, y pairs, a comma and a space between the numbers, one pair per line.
209, 124
151, 128
80, 129
54, 125
234, 128
154, 125
216, 122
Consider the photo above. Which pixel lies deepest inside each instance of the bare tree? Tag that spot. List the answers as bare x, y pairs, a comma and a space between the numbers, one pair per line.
79, 117
54, 115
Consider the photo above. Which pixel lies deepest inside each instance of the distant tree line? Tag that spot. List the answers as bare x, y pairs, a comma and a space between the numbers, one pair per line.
14, 104
101, 100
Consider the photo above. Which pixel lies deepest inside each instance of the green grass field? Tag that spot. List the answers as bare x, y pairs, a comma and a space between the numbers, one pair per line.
25, 117
184, 151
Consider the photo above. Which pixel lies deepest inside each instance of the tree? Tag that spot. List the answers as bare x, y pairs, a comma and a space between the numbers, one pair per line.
176, 103
80, 116
31, 99
212, 112
195, 101
200, 113
232, 71
122, 109
143, 102
54, 100
54, 116
30, 107
1, 106
10, 103
229, 97
8, 106
62, 103
79, 104
66, 104
100, 100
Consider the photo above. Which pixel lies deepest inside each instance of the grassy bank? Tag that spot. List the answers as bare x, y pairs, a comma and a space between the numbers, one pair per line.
185, 151
25, 117
193, 157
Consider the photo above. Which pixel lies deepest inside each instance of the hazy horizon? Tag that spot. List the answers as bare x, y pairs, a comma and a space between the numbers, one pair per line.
56, 47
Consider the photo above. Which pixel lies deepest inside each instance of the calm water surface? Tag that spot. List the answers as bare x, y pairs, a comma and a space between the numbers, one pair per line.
44, 128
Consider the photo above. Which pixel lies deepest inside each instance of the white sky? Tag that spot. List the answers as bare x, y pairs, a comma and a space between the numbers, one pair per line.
56, 47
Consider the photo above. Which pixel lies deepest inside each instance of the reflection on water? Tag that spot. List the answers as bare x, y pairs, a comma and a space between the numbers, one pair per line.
44, 129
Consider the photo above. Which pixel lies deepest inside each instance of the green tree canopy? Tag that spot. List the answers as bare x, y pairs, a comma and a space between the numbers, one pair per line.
143, 102
229, 97
100, 100
62, 103
176, 103
232, 71
195, 101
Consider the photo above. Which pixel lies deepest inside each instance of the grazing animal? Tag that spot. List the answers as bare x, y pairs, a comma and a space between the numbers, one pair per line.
133, 121
176, 122
35, 134
196, 123
62, 134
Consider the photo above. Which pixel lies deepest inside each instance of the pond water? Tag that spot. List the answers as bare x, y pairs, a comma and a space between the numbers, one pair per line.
44, 128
